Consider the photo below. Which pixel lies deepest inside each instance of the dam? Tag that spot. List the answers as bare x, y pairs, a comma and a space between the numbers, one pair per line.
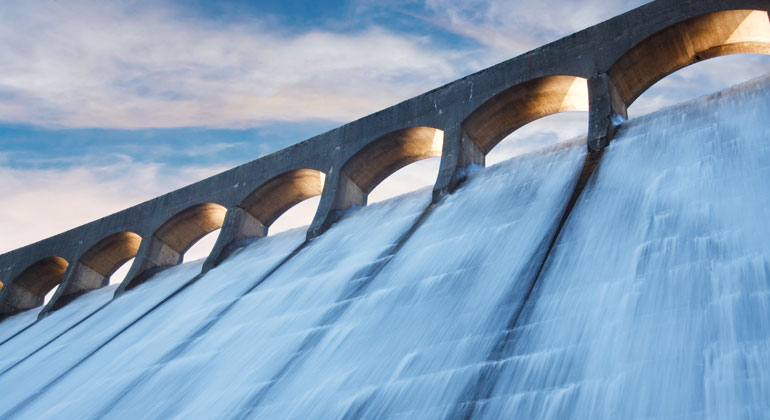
652, 302
623, 274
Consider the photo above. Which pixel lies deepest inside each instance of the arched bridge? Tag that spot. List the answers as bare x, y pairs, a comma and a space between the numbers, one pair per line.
602, 69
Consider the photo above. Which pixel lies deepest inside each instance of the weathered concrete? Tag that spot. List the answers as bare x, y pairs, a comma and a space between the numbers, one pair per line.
609, 64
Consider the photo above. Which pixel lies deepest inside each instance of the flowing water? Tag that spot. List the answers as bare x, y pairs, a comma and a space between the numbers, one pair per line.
653, 301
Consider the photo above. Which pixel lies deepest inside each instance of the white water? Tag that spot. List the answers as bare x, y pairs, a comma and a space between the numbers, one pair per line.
653, 303
402, 347
292, 299
656, 301
48, 328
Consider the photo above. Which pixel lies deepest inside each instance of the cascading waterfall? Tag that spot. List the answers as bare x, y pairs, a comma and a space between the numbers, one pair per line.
404, 346
654, 301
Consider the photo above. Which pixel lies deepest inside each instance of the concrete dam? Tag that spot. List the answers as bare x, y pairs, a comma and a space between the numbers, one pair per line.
625, 274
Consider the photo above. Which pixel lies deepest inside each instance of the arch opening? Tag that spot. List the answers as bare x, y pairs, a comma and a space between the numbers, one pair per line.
95, 267
301, 214
539, 134
172, 240
107, 255
30, 288
389, 153
48, 296
190, 225
700, 79
202, 247
688, 42
281, 195
522, 104
121, 272
409, 178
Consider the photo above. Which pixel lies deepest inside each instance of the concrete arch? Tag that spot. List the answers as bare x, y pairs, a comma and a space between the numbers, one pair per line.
521, 104
369, 166
185, 228
110, 253
253, 217
685, 43
93, 269
172, 239
29, 288
273, 198
391, 152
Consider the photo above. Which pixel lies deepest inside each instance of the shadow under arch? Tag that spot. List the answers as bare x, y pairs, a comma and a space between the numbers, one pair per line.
172, 239
93, 269
389, 153
29, 288
682, 44
522, 104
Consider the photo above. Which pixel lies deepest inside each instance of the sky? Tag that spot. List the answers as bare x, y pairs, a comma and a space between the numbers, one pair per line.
104, 105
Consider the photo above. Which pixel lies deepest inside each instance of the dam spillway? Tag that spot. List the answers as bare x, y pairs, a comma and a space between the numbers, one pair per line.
646, 297
602, 69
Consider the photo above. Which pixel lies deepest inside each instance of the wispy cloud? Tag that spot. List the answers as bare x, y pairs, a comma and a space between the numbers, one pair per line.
39, 203
508, 28
85, 63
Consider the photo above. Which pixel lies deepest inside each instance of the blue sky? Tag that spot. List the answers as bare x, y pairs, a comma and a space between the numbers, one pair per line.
106, 104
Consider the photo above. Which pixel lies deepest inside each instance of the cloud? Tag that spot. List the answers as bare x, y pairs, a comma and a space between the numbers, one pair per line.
84, 63
40, 203
508, 28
